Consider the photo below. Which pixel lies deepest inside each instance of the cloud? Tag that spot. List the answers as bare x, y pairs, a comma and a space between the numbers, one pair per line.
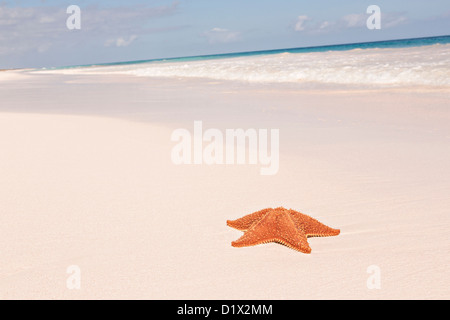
325, 25
31, 30
300, 24
350, 21
388, 20
123, 19
354, 20
220, 35
395, 21
121, 41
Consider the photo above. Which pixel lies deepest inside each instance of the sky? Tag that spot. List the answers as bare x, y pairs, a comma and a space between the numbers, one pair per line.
35, 33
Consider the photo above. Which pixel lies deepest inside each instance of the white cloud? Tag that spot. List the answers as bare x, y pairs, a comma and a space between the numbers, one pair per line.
393, 21
388, 20
355, 20
120, 41
47, 19
325, 25
300, 24
31, 30
350, 21
220, 35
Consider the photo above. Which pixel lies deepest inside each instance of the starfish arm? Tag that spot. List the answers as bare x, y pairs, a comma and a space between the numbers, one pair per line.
244, 223
275, 228
312, 227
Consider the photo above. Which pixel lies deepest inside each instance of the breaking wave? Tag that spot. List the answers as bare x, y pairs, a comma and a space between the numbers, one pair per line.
423, 65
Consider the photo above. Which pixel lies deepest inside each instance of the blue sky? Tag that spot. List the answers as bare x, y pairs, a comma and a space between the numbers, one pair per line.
34, 33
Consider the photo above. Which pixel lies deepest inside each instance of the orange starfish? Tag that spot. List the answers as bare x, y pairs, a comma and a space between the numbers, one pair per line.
288, 227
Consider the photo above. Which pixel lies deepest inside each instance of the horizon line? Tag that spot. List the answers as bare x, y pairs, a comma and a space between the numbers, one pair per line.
230, 54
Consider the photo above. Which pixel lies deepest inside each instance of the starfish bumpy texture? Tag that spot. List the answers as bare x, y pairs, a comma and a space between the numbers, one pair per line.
288, 227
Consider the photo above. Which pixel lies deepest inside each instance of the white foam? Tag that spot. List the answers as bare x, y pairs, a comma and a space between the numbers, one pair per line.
428, 65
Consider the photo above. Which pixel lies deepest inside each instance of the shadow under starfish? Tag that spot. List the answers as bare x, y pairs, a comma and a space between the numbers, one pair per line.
288, 227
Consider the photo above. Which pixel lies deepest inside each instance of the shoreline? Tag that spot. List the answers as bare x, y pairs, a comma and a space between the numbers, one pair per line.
258, 52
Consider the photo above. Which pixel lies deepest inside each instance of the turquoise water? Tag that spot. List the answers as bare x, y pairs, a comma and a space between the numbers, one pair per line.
402, 43
407, 62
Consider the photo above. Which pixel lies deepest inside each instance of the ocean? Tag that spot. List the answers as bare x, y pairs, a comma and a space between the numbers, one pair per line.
416, 62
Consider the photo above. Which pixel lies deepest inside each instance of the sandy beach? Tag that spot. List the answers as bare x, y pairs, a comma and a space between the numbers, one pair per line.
87, 180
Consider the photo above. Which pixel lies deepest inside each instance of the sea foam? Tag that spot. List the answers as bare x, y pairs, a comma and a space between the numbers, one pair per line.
422, 66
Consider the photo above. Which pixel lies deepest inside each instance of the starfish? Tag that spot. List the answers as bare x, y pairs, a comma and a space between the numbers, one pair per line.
288, 227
